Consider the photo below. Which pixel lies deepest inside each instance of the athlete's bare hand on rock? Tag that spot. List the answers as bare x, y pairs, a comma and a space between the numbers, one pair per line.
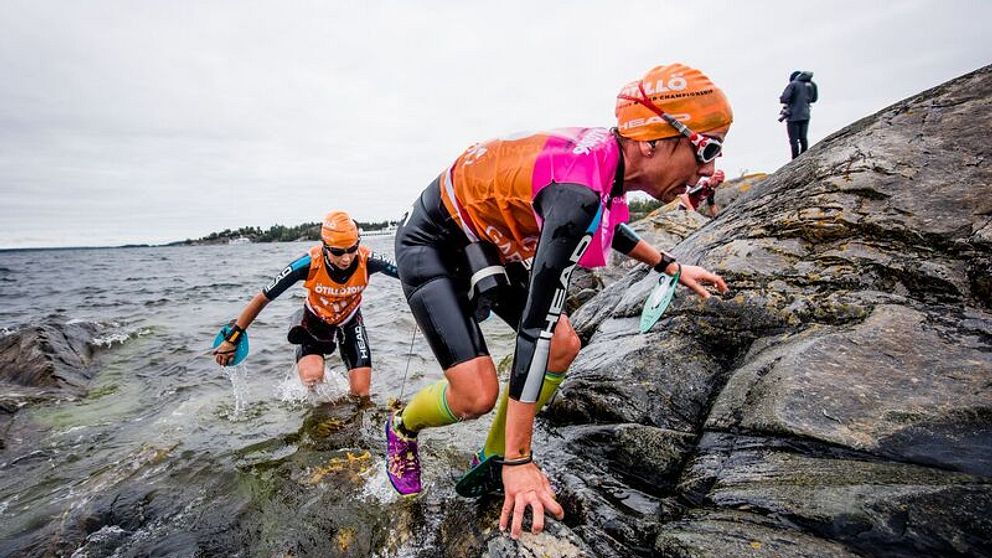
527, 486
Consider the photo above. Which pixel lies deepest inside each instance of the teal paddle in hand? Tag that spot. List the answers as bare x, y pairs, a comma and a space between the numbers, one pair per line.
240, 347
658, 301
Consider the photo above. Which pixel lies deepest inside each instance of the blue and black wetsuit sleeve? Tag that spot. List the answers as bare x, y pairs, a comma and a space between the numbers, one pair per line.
294, 272
571, 214
624, 239
380, 264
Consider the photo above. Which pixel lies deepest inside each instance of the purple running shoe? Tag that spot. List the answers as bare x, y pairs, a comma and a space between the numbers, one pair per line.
402, 461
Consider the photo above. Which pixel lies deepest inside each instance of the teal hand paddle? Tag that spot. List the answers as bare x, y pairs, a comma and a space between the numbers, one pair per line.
240, 348
485, 478
659, 300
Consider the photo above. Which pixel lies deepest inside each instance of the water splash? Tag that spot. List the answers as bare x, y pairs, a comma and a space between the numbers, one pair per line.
377, 487
239, 385
292, 390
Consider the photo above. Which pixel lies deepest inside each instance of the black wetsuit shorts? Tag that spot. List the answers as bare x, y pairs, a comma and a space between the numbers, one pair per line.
314, 336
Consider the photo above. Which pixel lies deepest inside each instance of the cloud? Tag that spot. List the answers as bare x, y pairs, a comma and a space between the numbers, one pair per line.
150, 122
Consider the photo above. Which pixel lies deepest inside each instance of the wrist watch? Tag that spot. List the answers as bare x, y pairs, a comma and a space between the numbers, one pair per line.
666, 260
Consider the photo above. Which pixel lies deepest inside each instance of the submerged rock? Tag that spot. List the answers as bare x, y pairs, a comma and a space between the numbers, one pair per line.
42, 363
49, 356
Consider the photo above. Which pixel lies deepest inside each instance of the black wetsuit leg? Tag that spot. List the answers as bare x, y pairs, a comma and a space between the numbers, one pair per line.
313, 347
310, 334
429, 257
571, 214
354, 342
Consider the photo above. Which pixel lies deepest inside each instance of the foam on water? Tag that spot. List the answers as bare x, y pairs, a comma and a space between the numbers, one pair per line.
292, 390
118, 333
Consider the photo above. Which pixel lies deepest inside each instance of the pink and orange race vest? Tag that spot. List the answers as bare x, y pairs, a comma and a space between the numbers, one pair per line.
490, 190
335, 302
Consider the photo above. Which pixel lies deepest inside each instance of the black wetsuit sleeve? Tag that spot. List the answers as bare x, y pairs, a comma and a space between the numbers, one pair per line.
294, 272
624, 239
571, 214
381, 264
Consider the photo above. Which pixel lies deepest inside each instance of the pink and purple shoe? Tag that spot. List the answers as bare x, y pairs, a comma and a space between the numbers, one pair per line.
402, 461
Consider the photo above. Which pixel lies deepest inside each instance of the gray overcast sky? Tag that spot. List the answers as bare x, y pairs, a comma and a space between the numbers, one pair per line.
146, 121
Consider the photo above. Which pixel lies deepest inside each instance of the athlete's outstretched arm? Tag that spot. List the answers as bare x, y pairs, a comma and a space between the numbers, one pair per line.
381, 264
627, 242
296, 271
571, 214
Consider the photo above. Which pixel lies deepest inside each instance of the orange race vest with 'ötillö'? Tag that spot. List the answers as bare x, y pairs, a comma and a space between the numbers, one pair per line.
491, 188
335, 302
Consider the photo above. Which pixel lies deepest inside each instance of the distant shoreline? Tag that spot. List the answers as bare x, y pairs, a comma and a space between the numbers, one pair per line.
181, 243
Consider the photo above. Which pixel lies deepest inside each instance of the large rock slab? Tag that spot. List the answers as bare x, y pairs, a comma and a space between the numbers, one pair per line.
881, 508
732, 534
897, 385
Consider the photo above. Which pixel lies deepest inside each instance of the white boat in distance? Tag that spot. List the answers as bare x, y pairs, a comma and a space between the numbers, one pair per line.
389, 231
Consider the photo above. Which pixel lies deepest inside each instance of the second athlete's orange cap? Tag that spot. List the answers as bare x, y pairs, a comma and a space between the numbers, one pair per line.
684, 93
339, 230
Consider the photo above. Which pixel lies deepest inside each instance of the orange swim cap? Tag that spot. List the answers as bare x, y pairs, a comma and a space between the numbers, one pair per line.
684, 93
339, 230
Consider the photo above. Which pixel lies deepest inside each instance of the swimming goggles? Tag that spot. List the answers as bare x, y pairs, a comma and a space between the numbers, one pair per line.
341, 251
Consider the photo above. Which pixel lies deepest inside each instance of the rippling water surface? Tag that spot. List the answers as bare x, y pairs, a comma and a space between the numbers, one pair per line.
160, 412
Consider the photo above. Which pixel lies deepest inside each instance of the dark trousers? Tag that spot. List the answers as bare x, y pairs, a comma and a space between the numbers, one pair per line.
797, 136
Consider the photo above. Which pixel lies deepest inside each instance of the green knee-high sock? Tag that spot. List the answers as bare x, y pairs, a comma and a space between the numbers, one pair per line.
496, 441
429, 407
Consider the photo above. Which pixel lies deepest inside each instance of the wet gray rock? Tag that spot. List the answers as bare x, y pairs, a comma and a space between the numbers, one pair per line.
837, 402
880, 507
48, 356
731, 534
42, 363
557, 541
919, 391
583, 285
731, 190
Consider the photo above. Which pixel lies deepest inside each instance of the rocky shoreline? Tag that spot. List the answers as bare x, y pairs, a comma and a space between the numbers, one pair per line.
838, 403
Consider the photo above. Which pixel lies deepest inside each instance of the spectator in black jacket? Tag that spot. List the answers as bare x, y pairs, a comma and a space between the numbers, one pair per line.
797, 97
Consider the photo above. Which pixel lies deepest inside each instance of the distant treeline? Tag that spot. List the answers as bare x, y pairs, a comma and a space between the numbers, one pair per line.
640, 208
311, 231
278, 233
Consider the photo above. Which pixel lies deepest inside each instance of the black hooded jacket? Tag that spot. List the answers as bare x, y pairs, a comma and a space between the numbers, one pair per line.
798, 95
